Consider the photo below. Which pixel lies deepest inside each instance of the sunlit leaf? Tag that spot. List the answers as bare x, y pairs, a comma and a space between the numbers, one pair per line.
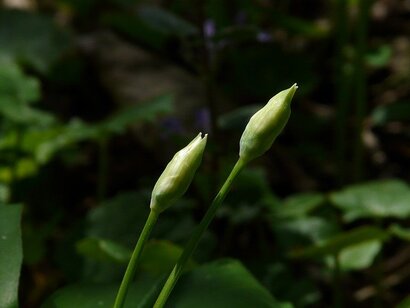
299, 205
103, 250
359, 256
338, 243
379, 199
400, 232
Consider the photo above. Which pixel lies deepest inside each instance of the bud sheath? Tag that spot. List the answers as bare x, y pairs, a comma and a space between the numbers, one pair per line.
178, 174
265, 125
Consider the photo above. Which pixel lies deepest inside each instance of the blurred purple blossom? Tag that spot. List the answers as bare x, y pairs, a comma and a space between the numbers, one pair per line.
209, 28
263, 37
171, 126
203, 120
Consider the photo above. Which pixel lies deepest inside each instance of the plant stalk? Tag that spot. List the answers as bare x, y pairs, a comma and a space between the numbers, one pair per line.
343, 86
362, 27
337, 285
132, 265
196, 236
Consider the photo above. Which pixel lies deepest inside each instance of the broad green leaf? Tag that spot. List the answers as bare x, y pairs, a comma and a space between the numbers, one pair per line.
405, 303
400, 232
160, 256
315, 229
15, 86
31, 38
379, 57
379, 199
103, 250
85, 295
224, 283
299, 205
11, 254
47, 142
383, 114
146, 112
338, 243
359, 256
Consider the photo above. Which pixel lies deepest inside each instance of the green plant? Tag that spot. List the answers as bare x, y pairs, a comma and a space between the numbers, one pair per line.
259, 134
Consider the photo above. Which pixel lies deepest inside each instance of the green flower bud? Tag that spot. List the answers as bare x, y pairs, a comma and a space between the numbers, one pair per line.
265, 125
178, 174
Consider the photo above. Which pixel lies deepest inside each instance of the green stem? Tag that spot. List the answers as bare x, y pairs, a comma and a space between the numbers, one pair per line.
363, 20
196, 236
132, 265
343, 86
337, 292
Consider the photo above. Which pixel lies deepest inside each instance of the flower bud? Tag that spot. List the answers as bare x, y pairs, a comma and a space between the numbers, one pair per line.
265, 125
178, 174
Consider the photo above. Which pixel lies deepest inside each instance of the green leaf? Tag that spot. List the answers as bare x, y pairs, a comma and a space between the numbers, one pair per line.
103, 250
379, 57
11, 254
383, 114
31, 38
338, 243
299, 205
225, 283
359, 256
315, 229
86, 295
146, 112
15, 86
379, 199
400, 232
405, 303
160, 256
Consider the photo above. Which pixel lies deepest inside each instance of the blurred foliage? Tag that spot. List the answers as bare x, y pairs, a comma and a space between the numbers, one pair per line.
96, 96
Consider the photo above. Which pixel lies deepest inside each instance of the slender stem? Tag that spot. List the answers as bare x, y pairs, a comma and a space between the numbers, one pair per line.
343, 86
132, 265
363, 19
102, 168
196, 236
337, 292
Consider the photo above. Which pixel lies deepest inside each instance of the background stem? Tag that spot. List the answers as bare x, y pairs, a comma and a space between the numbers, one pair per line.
361, 37
196, 236
132, 265
343, 86
337, 285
